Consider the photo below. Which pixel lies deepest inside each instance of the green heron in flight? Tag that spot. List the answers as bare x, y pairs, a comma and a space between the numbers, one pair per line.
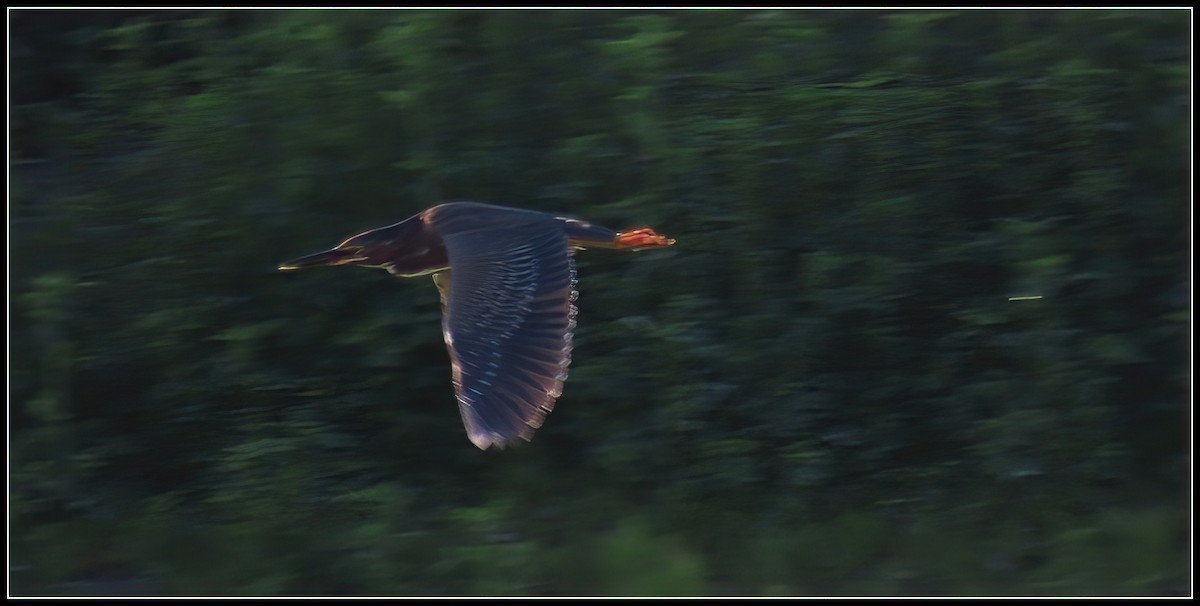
507, 282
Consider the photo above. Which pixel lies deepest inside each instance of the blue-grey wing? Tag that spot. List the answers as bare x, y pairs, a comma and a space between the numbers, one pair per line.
508, 319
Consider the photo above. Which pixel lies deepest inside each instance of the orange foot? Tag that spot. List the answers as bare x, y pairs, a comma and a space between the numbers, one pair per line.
641, 239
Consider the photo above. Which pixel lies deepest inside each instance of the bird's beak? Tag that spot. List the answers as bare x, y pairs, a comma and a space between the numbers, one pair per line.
336, 256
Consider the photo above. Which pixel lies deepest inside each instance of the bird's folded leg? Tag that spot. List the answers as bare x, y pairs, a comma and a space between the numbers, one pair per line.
641, 239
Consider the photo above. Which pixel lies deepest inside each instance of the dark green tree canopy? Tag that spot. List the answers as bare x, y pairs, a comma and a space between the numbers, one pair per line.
925, 330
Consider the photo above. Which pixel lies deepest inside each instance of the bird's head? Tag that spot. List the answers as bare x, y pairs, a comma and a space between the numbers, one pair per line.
386, 247
368, 248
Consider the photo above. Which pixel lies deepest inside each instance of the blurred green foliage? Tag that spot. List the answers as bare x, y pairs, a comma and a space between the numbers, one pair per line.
823, 389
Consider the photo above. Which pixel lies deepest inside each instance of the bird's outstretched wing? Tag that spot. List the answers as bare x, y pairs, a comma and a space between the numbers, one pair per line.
508, 319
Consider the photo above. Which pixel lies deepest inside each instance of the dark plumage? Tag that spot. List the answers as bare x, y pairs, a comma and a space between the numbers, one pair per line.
507, 281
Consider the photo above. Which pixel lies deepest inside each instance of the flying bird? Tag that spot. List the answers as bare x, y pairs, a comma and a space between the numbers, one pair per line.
507, 282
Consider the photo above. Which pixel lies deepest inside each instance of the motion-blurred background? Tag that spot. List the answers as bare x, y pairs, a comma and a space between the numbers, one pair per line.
826, 387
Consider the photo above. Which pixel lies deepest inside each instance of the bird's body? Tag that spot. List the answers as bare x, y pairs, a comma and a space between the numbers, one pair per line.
507, 282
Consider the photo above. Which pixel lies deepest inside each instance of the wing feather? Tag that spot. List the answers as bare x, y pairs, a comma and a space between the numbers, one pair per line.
508, 319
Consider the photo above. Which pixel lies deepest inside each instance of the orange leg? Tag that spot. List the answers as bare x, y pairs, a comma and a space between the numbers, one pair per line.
641, 239
594, 236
